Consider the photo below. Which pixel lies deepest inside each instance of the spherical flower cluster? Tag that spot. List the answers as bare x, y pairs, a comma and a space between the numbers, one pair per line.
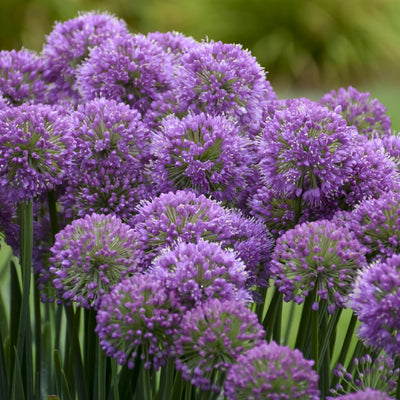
210, 339
21, 78
137, 318
271, 371
35, 149
391, 146
133, 70
199, 271
376, 223
376, 301
219, 78
205, 153
319, 257
379, 374
69, 44
111, 151
91, 255
368, 116
305, 151
367, 394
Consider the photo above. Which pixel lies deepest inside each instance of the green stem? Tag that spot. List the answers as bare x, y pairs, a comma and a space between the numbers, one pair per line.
304, 332
52, 203
273, 315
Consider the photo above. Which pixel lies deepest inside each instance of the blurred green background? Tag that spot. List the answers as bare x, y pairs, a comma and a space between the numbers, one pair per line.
308, 46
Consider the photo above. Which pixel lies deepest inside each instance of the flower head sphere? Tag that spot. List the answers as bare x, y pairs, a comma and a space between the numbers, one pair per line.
366, 114
200, 271
380, 374
210, 339
91, 255
218, 78
35, 149
376, 224
69, 44
367, 394
111, 151
271, 371
317, 257
133, 70
376, 301
201, 152
138, 318
21, 79
305, 151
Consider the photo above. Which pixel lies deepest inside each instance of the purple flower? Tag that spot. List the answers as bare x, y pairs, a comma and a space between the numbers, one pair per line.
379, 374
111, 152
368, 116
306, 151
202, 152
199, 271
21, 79
68, 45
218, 78
138, 316
189, 217
91, 255
271, 371
35, 149
367, 394
376, 224
376, 301
210, 339
132, 70
391, 146
320, 257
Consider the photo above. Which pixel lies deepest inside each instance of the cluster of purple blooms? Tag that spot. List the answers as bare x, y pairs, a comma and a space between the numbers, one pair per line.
185, 188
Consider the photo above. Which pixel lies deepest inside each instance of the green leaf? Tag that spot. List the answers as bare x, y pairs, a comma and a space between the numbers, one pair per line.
61, 380
17, 392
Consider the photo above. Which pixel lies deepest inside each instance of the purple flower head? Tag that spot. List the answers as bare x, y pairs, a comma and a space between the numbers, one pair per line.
21, 78
111, 152
305, 151
367, 394
376, 301
367, 115
379, 374
35, 149
91, 255
138, 316
318, 257
376, 224
68, 45
210, 339
271, 371
391, 146
132, 70
373, 172
196, 272
218, 78
202, 152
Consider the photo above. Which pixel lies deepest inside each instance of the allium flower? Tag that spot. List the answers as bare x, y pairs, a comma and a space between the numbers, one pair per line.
271, 371
317, 256
367, 394
391, 146
189, 217
205, 153
376, 224
200, 271
111, 151
379, 374
305, 151
376, 301
368, 116
21, 78
91, 255
133, 70
210, 339
218, 78
138, 316
68, 45
35, 149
